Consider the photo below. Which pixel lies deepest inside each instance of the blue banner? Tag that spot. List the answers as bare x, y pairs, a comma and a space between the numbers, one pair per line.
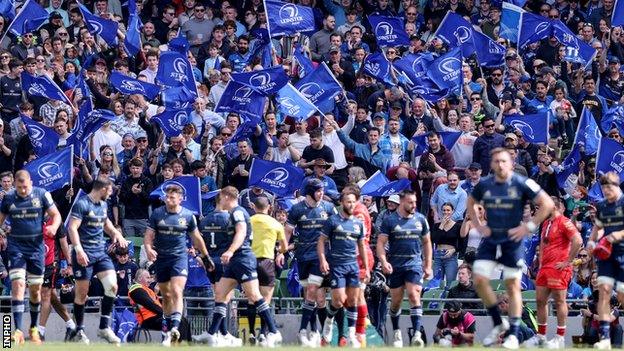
449, 139
43, 139
446, 71
173, 121
29, 19
379, 185
456, 32
181, 45
389, 31
43, 86
414, 66
490, 53
511, 20
128, 85
279, 178
267, 81
87, 122
83, 88
374, 182
570, 165
595, 193
178, 98
96, 25
320, 87
533, 28
284, 18
305, 64
132, 41
610, 157
533, 127
191, 198
614, 116
52, 171
290, 102
175, 70
7, 9
377, 66
241, 99
617, 18
245, 130
576, 50
588, 134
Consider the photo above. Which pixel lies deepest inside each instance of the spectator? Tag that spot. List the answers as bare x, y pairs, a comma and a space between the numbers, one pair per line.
485, 143
320, 41
125, 269
449, 193
134, 194
445, 236
465, 289
237, 170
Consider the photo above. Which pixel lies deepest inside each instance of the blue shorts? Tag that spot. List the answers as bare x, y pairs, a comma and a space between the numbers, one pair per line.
307, 268
242, 269
165, 269
25, 256
216, 275
509, 253
97, 263
611, 267
345, 275
412, 275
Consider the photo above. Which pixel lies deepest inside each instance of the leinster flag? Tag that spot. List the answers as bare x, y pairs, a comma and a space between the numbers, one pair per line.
533, 127
53, 171
377, 66
490, 53
174, 70
43, 139
511, 18
43, 86
267, 81
132, 41
305, 64
241, 99
290, 102
128, 86
285, 18
533, 28
389, 31
610, 157
617, 17
173, 121
279, 178
569, 166
449, 139
446, 71
379, 185
178, 98
191, 197
106, 29
30, 18
455, 31
587, 133
320, 87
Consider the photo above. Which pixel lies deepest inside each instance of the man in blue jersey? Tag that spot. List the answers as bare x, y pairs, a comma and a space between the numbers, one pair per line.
25, 208
407, 261
504, 195
610, 219
165, 245
239, 268
345, 234
87, 224
306, 219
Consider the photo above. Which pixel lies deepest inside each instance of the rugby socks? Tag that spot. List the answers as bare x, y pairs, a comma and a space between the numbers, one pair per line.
17, 307
69, 324
340, 322
79, 316
352, 315
106, 311
605, 330
313, 320
164, 324
41, 329
360, 325
494, 312
416, 313
322, 315
35, 308
541, 329
514, 326
251, 318
217, 317
223, 328
264, 311
307, 310
176, 318
561, 330
394, 318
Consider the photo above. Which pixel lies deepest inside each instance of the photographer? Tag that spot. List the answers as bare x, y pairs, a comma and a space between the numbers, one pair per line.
455, 327
591, 322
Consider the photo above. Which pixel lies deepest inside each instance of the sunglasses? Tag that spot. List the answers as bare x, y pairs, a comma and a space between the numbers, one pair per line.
488, 126
63, 34
170, 13
496, 75
583, 256
200, 10
475, 99
40, 60
411, 13
553, 16
5, 57
28, 36
141, 141
107, 154
614, 135
226, 134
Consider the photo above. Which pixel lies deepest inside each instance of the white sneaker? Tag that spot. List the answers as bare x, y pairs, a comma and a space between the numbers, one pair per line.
353, 342
397, 340
274, 340
417, 340
80, 337
446, 341
536, 341
109, 335
201, 338
166, 342
314, 339
511, 343
262, 340
604, 344
212, 340
492, 337
558, 342
328, 329
302, 337
230, 340
175, 335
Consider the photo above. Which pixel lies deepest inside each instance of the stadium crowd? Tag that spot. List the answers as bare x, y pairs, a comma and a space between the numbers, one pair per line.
372, 126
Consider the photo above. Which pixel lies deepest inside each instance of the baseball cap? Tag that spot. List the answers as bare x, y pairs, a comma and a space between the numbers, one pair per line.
475, 165
394, 198
397, 104
379, 115
614, 59
140, 134
507, 96
547, 70
334, 49
55, 15
511, 136
525, 79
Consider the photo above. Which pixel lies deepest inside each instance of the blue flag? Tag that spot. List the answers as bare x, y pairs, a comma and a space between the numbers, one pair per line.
533, 127
30, 18
290, 102
446, 71
617, 18
174, 70
587, 133
374, 182
533, 28
614, 116
96, 25
493, 56
191, 198
576, 50
569, 166
245, 130
7, 9
178, 98
610, 157
305, 64
241, 99
288, 19
267, 81
279, 178
180, 44
414, 65
82, 88
87, 122
173, 121
376, 186
132, 41
81, 193
377, 66
511, 20
595, 193
52, 171
449, 139
320, 87
455, 31
389, 31
43, 139
128, 85
43, 86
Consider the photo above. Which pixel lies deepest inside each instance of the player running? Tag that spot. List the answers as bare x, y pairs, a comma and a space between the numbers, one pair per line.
559, 245
503, 195
87, 224
25, 208
165, 245
407, 261
609, 251
345, 234
307, 218
240, 268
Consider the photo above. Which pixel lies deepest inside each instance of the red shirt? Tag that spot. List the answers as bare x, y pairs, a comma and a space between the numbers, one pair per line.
556, 241
48, 243
361, 212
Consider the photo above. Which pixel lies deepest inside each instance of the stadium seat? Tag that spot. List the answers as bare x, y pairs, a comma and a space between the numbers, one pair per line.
136, 243
432, 307
497, 284
529, 295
